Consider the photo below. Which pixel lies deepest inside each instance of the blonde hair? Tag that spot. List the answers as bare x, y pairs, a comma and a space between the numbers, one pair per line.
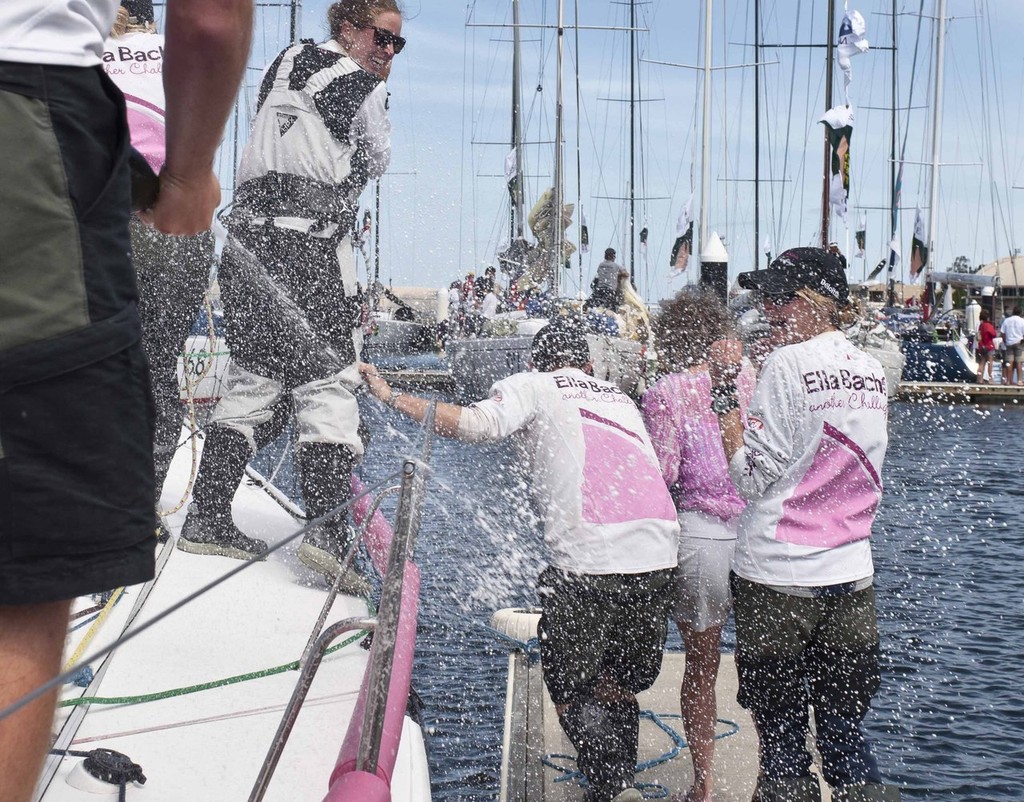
841, 315
358, 13
125, 23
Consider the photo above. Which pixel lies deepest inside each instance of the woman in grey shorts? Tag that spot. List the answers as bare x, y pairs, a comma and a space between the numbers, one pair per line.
684, 430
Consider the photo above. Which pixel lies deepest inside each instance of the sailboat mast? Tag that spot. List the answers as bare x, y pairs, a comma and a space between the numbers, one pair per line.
757, 133
632, 142
890, 277
705, 168
827, 172
556, 216
933, 194
517, 128
296, 14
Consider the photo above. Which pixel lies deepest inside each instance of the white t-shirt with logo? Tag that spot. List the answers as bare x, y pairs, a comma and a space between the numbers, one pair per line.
135, 63
48, 32
810, 467
593, 470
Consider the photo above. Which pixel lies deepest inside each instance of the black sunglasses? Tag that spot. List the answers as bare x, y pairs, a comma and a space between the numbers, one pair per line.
383, 38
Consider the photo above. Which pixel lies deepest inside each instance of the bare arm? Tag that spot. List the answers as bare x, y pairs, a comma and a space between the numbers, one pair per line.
724, 363
446, 416
207, 44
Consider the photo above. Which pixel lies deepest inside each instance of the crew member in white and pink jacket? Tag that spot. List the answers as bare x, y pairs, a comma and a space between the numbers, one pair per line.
808, 462
611, 532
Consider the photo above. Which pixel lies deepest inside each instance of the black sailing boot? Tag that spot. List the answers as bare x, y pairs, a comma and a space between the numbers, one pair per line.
208, 527
788, 789
325, 472
605, 736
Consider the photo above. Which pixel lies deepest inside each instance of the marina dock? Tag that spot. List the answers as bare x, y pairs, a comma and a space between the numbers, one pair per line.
539, 760
960, 393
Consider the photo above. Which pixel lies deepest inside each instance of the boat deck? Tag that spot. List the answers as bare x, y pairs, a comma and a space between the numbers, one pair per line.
539, 760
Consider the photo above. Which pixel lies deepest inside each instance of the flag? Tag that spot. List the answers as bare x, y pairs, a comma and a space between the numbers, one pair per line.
839, 128
510, 166
643, 241
918, 249
584, 232
878, 269
511, 175
861, 235
894, 255
897, 192
852, 42
683, 245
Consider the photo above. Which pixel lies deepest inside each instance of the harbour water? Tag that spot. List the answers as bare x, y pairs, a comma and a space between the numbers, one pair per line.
949, 721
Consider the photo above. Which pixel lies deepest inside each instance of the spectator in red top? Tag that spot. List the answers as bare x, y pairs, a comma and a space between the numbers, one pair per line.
986, 345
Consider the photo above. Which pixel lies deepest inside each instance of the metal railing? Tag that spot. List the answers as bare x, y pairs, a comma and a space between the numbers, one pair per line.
385, 626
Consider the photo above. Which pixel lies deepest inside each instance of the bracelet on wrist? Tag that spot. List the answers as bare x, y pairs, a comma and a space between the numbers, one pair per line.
393, 398
723, 391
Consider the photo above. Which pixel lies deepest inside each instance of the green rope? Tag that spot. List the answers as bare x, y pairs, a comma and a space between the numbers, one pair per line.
152, 697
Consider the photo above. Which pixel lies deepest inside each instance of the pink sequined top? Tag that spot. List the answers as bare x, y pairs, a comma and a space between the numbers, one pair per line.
684, 431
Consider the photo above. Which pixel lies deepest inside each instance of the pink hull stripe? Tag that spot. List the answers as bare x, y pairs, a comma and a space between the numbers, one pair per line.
619, 479
346, 784
835, 501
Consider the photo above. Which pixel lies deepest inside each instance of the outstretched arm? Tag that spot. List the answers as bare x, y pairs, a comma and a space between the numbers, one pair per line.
446, 416
207, 44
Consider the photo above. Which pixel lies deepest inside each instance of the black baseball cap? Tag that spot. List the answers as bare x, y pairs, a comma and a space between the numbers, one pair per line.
799, 269
561, 342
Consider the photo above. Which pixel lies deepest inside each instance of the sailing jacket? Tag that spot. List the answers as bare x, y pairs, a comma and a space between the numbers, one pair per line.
595, 477
810, 467
321, 132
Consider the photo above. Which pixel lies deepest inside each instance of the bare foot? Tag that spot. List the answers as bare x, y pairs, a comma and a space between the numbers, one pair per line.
693, 795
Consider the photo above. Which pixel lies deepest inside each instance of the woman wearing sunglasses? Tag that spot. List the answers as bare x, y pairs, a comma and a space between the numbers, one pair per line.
808, 462
288, 280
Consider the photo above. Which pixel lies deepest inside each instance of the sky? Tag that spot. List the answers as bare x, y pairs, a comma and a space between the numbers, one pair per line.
444, 206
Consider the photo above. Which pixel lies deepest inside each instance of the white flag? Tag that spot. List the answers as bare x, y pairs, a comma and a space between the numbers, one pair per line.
851, 43
685, 217
510, 165
584, 232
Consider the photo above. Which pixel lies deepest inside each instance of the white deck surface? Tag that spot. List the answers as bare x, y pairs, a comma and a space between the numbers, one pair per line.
210, 745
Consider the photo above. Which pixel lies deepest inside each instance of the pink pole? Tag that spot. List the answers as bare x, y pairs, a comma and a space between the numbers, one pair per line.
347, 784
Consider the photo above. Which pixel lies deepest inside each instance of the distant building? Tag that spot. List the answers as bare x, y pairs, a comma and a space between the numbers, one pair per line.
876, 293
1010, 272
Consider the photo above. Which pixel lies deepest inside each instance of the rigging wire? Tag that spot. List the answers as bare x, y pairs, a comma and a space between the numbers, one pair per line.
61, 678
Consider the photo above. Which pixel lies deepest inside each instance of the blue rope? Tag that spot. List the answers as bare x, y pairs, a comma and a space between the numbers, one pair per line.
651, 790
531, 647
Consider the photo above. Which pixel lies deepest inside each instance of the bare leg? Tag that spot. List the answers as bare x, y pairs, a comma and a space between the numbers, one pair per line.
699, 705
31, 643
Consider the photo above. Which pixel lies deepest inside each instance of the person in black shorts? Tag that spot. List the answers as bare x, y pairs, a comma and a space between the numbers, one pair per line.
76, 420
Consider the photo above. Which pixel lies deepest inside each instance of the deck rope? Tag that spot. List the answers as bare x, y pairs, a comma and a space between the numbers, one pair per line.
653, 790
91, 632
203, 686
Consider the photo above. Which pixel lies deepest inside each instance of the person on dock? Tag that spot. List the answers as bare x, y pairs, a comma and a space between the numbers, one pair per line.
1012, 329
611, 530
76, 485
684, 431
288, 283
808, 461
986, 347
